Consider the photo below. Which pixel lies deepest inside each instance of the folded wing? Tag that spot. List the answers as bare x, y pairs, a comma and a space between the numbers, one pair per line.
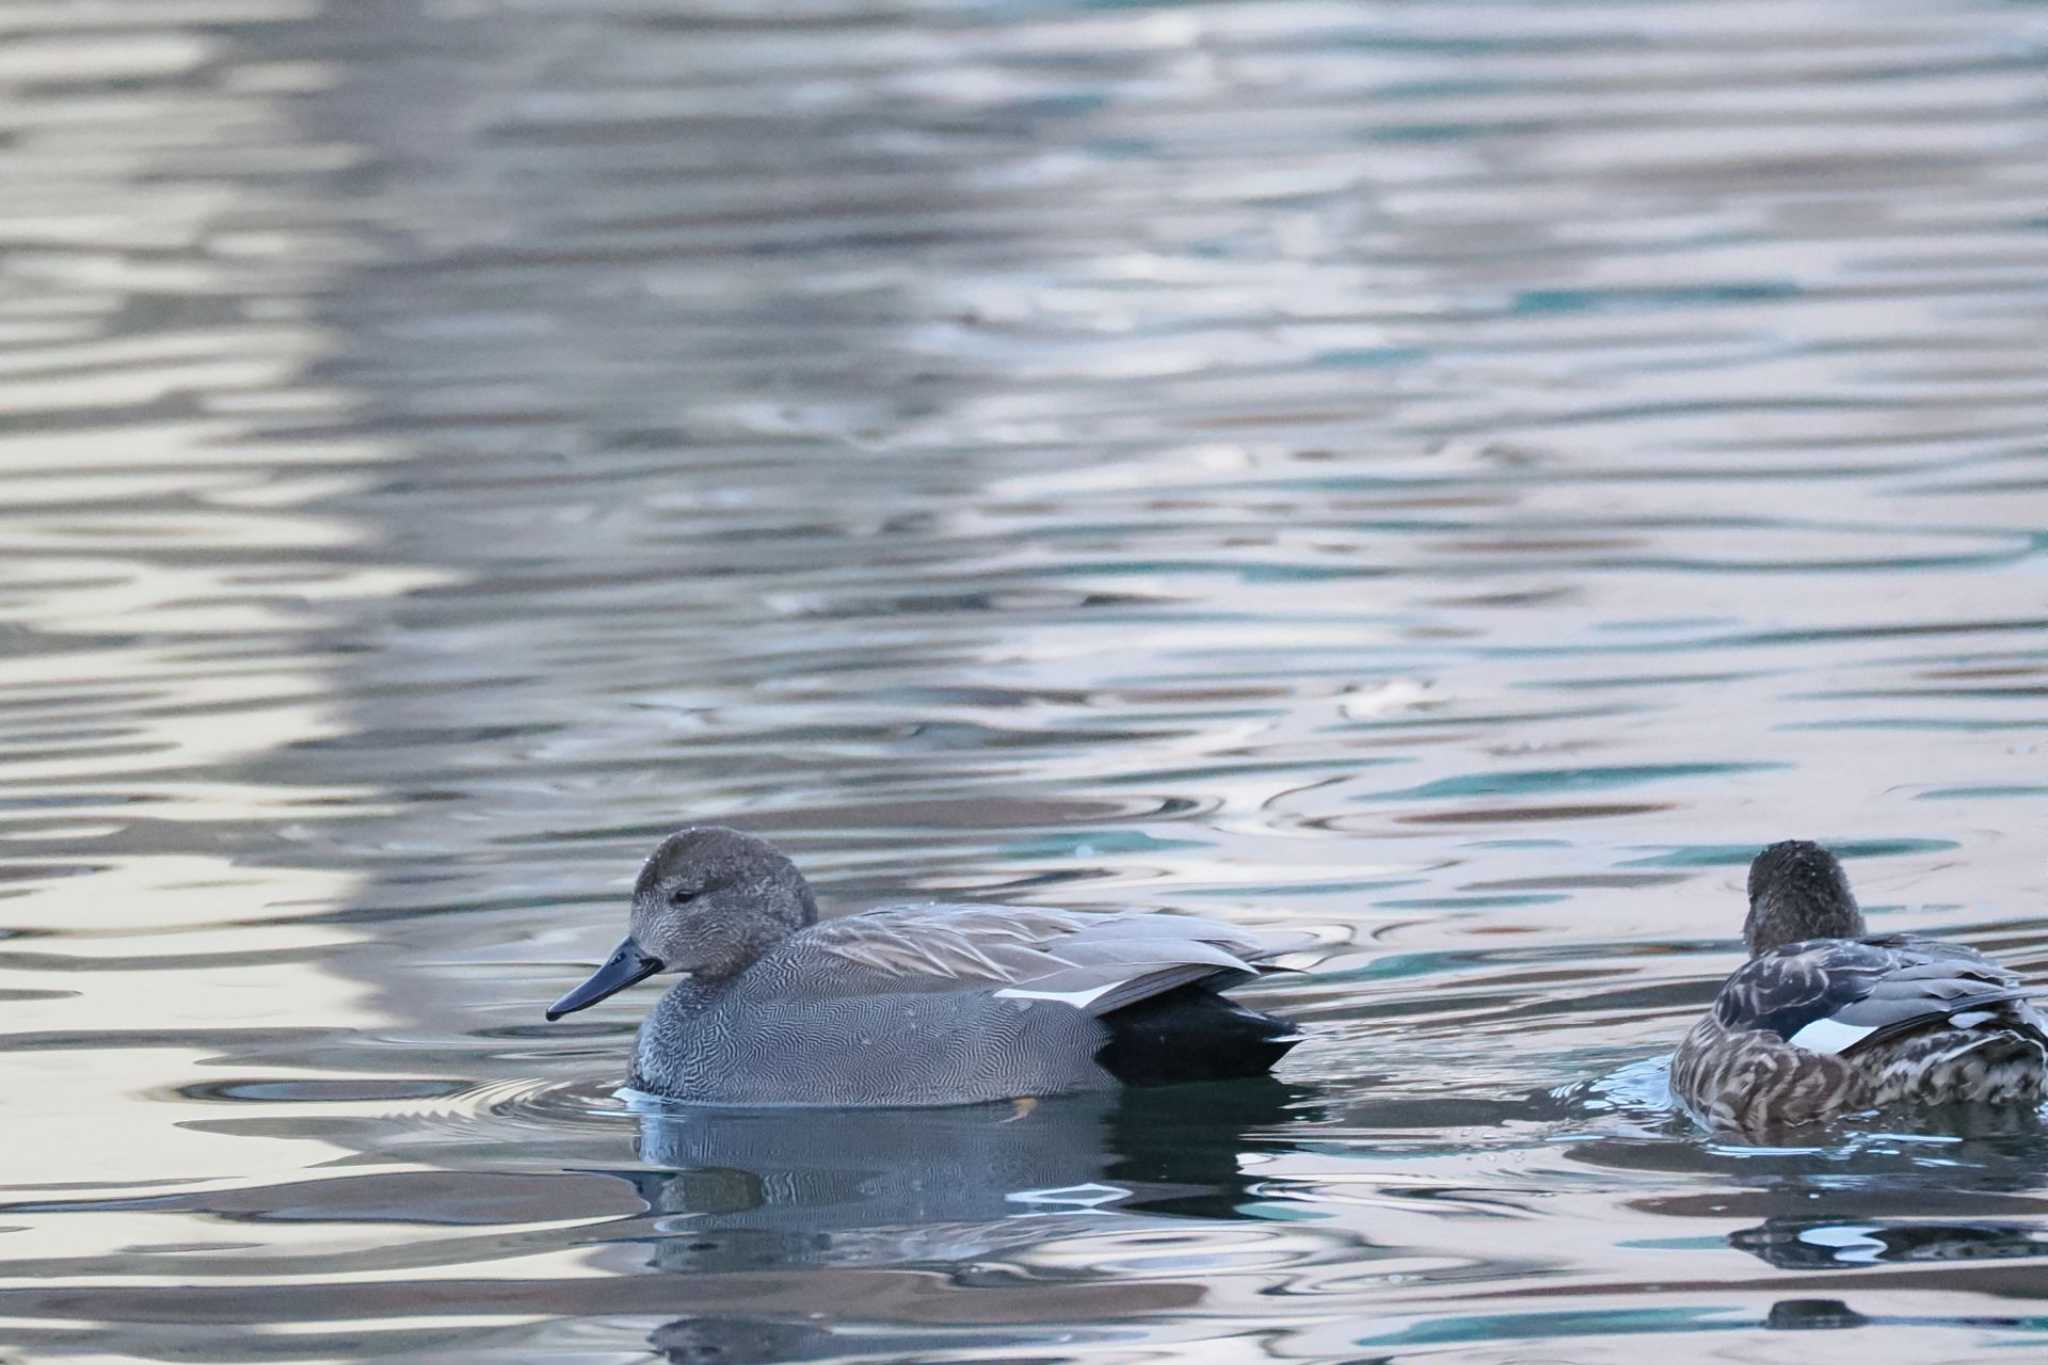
1096, 963
1836, 995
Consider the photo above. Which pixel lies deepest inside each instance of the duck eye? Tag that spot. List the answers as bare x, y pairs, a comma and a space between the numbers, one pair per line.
682, 895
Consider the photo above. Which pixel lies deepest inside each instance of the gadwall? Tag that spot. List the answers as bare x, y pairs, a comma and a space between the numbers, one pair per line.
916, 1004
1823, 1020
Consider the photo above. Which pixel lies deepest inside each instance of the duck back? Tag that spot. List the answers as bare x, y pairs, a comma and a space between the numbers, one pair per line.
1192, 1034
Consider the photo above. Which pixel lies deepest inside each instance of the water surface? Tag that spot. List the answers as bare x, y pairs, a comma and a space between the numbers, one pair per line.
1455, 477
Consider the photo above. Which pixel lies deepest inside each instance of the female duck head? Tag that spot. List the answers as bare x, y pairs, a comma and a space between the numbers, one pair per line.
709, 902
1798, 891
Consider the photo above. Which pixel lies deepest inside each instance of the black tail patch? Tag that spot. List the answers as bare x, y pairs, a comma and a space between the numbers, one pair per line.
1192, 1034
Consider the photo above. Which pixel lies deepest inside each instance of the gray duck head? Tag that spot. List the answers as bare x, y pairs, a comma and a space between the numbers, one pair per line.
709, 902
1798, 891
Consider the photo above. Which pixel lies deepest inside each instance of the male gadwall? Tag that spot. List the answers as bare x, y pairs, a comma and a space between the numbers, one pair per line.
1823, 1021
916, 1004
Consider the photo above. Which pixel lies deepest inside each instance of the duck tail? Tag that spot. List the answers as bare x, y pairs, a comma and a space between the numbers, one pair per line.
1986, 1057
1192, 1034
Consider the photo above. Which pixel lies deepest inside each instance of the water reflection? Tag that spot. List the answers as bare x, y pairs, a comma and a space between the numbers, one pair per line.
1455, 478
1810, 1244
846, 1186
737, 1340
1813, 1315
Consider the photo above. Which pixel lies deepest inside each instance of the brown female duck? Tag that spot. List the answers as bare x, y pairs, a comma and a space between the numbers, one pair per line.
1823, 1020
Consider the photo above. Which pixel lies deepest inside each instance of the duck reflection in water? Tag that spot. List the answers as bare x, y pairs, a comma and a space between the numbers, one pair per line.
1813, 1315
1833, 1315
734, 1339
750, 1189
969, 1192
1845, 1244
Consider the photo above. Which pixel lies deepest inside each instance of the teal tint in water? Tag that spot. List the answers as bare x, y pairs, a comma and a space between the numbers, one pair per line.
1456, 477
1558, 780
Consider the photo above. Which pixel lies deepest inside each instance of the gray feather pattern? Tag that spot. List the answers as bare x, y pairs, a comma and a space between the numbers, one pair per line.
1039, 952
1884, 984
933, 1004
1891, 1010
1101, 989
917, 1004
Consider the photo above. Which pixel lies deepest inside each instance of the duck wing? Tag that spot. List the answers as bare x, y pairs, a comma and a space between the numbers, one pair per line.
1837, 995
1097, 963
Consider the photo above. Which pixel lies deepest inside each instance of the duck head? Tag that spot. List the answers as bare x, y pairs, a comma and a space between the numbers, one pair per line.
709, 902
1798, 891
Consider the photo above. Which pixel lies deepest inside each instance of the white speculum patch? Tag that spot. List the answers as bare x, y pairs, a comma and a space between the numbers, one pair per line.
1080, 1000
1830, 1036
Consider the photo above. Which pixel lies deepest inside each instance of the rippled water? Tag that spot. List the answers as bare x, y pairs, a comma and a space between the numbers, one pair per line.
1455, 477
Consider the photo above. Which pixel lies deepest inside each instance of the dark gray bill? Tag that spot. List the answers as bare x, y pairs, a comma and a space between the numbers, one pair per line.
627, 964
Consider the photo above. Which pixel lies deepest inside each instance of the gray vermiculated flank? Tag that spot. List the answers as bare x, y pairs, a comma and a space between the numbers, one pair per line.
901, 1005
1816, 1026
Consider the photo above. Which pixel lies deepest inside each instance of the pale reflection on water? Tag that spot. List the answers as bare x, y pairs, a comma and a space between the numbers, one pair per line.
1455, 478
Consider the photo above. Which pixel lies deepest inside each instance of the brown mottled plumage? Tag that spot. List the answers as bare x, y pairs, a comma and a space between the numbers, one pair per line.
1824, 1021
